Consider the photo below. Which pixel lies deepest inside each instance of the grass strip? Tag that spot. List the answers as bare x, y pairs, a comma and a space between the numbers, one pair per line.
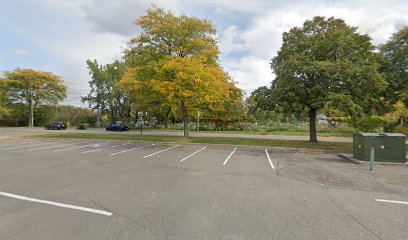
320, 133
341, 147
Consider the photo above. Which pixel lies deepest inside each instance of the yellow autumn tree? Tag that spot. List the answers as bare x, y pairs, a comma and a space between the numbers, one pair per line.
174, 65
33, 88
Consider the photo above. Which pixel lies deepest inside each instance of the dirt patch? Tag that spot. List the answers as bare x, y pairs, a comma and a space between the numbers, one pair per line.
329, 178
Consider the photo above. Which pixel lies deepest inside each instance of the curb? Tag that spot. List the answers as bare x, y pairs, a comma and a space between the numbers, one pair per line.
277, 149
350, 158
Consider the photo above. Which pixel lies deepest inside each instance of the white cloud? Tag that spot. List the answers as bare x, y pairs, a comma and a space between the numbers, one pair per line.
22, 51
118, 16
259, 42
69, 32
231, 40
250, 72
219, 11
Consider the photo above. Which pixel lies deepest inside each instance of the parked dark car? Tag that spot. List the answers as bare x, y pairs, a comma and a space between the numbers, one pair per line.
56, 126
117, 127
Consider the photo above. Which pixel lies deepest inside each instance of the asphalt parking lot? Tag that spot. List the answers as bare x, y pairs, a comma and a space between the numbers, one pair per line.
94, 189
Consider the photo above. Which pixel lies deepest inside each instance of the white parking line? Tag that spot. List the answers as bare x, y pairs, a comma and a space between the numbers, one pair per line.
62, 205
131, 149
55, 146
194, 153
391, 201
33, 145
269, 159
160, 151
66, 149
93, 150
15, 144
226, 160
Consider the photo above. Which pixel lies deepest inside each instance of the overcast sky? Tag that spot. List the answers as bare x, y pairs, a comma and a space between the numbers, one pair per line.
59, 35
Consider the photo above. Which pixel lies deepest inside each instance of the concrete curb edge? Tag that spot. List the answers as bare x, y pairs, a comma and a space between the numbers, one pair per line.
350, 158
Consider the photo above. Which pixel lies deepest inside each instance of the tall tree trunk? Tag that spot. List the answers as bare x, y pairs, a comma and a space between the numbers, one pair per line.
312, 125
186, 119
166, 120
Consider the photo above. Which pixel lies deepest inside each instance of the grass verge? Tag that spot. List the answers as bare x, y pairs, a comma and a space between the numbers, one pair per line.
290, 133
341, 147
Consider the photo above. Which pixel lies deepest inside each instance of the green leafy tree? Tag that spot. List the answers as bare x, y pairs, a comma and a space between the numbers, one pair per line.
16, 115
74, 115
326, 62
395, 66
260, 98
174, 65
105, 96
4, 109
33, 88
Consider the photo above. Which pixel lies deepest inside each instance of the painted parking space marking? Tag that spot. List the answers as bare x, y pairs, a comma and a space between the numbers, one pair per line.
161, 151
55, 146
391, 201
269, 159
226, 160
33, 145
194, 153
66, 149
15, 144
128, 150
98, 149
57, 204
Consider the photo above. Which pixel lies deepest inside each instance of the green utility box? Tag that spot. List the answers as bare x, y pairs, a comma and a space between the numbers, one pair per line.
389, 147
83, 126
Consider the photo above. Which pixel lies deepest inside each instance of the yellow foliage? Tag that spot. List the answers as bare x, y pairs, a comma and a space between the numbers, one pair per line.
400, 110
174, 65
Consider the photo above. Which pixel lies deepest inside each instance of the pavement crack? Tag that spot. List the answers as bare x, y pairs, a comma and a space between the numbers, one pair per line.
138, 224
124, 216
100, 205
354, 219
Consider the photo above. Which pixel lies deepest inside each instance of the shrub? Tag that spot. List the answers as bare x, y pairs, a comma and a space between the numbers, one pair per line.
371, 124
403, 130
335, 120
278, 128
87, 119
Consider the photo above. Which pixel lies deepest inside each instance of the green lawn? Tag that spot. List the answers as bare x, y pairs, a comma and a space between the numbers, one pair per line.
291, 133
333, 146
294, 131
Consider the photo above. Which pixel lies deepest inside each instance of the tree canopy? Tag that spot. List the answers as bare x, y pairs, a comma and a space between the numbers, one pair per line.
4, 110
33, 88
174, 65
105, 96
326, 62
165, 34
395, 52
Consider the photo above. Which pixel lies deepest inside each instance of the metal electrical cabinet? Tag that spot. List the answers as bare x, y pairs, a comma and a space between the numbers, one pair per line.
389, 147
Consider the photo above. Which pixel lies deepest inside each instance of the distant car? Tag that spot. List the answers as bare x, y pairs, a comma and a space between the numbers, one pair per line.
117, 127
56, 126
